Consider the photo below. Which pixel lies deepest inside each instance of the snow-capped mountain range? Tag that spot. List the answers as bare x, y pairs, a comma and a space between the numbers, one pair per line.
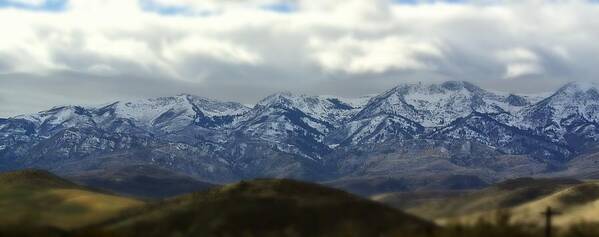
287, 135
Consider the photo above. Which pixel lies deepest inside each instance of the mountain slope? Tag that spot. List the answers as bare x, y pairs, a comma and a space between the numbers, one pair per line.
438, 104
165, 114
297, 124
456, 128
505, 195
280, 120
489, 130
576, 203
570, 116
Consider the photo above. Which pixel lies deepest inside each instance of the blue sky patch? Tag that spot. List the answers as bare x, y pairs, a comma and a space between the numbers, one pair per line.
284, 7
48, 5
152, 6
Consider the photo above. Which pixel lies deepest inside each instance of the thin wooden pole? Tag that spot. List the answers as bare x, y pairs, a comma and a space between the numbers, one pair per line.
549, 213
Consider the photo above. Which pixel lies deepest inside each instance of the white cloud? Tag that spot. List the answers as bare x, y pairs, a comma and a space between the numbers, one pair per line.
118, 49
518, 54
515, 70
219, 50
213, 4
373, 56
520, 62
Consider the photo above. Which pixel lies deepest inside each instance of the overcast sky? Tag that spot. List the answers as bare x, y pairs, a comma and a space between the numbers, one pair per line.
55, 52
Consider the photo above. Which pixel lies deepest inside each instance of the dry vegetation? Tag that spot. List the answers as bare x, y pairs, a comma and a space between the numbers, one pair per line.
35, 203
37, 198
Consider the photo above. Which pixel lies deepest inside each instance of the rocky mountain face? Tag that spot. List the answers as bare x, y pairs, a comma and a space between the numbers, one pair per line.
413, 133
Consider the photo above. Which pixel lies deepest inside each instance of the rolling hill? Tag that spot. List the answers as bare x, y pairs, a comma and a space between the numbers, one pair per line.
33, 198
523, 199
38, 203
577, 204
267, 208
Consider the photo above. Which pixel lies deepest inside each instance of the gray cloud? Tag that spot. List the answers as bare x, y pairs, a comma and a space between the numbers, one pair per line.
244, 52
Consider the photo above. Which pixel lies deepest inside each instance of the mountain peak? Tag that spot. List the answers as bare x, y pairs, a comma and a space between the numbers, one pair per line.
516, 100
574, 100
65, 108
579, 87
191, 97
577, 91
284, 97
434, 105
459, 85
284, 94
214, 139
436, 88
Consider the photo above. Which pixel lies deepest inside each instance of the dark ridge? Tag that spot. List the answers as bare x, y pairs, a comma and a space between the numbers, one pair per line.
516, 100
581, 194
340, 105
141, 181
268, 208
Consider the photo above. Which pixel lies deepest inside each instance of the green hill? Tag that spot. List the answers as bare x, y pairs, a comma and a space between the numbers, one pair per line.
268, 208
36, 199
33, 178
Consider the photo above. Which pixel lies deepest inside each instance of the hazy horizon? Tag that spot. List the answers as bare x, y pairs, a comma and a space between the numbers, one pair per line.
544, 89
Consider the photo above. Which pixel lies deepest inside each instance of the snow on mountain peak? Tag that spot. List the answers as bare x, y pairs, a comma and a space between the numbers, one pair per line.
325, 108
578, 88
435, 105
433, 88
67, 116
574, 100
284, 98
172, 112
461, 85
574, 94
305, 125
164, 113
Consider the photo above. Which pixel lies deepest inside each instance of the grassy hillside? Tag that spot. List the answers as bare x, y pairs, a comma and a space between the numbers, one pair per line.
577, 204
414, 199
522, 199
268, 208
39, 199
505, 195
37, 203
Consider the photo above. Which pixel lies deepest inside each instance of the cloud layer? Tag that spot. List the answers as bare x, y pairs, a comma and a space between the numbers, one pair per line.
93, 51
